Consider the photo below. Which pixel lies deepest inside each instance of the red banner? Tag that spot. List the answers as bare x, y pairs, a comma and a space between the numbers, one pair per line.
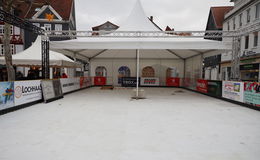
202, 86
100, 81
173, 82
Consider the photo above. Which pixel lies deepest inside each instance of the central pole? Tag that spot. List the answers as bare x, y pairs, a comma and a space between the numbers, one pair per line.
137, 72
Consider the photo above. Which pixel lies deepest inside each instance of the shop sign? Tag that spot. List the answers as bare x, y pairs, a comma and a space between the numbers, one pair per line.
215, 88
150, 81
233, 90
70, 84
249, 67
252, 93
100, 81
129, 81
27, 91
6, 95
173, 82
202, 86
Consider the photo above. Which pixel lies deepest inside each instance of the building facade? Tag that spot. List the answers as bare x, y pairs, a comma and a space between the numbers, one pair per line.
52, 15
246, 13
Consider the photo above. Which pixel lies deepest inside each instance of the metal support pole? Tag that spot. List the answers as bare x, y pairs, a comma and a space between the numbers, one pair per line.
137, 71
45, 59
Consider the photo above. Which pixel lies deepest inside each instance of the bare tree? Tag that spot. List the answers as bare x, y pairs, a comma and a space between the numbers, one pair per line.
8, 6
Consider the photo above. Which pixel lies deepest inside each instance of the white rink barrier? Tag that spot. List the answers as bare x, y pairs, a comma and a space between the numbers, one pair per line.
233, 90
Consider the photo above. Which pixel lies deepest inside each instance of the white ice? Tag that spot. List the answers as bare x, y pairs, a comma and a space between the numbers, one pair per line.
96, 124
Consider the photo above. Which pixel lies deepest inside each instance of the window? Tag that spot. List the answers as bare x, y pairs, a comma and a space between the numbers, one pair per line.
255, 39
11, 30
58, 27
47, 27
228, 26
234, 23
12, 49
2, 29
248, 17
2, 50
257, 11
240, 19
246, 42
36, 24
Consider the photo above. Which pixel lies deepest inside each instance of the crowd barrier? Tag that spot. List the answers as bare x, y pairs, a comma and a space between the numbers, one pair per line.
17, 93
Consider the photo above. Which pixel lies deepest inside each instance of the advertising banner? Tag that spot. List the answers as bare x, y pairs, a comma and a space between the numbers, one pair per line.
27, 91
70, 84
85, 82
233, 90
173, 82
202, 86
252, 93
6, 95
100, 81
129, 81
150, 81
215, 88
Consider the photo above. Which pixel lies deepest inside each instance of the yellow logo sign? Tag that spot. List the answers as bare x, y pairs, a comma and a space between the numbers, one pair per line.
49, 16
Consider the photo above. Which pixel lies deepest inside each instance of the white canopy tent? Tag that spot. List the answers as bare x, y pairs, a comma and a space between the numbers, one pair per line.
157, 45
33, 57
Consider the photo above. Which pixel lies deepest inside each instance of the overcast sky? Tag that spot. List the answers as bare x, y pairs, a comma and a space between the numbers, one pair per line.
178, 14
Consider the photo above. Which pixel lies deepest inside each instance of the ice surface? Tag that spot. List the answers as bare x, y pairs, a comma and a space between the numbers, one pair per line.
96, 124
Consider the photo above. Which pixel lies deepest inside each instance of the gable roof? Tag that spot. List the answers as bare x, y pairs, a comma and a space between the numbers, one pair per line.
108, 22
218, 14
62, 7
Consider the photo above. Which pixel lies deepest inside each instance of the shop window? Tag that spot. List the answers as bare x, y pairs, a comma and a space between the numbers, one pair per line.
58, 27
257, 11
248, 17
101, 71
148, 72
123, 71
246, 42
255, 39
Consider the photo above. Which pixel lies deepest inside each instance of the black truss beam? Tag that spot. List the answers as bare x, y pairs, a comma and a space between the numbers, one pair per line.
19, 22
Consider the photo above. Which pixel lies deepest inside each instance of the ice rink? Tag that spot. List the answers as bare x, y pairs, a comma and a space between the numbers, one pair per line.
95, 124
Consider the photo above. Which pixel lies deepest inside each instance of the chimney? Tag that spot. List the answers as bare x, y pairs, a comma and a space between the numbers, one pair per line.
151, 18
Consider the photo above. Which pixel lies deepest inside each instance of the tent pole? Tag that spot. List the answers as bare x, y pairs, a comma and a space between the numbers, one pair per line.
137, 72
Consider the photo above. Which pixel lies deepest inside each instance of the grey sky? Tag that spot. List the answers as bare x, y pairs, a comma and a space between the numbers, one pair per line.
178, 14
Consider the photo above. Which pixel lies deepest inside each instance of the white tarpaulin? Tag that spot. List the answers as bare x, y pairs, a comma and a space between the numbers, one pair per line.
33, 56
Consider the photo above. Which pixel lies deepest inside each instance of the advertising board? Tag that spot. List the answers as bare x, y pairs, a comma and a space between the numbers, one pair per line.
6, 95
85, 82
173, 82
51, 89
233, 90
215, 88
27, 91
150, 81
70, 84
252, 93
129, 82
202, 86
100, 81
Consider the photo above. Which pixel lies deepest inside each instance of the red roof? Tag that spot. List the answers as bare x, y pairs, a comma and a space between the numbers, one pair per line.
218, 13
62, 7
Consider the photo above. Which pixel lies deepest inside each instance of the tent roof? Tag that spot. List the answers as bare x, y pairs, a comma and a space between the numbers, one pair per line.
110, 46
32, 56
137, 20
